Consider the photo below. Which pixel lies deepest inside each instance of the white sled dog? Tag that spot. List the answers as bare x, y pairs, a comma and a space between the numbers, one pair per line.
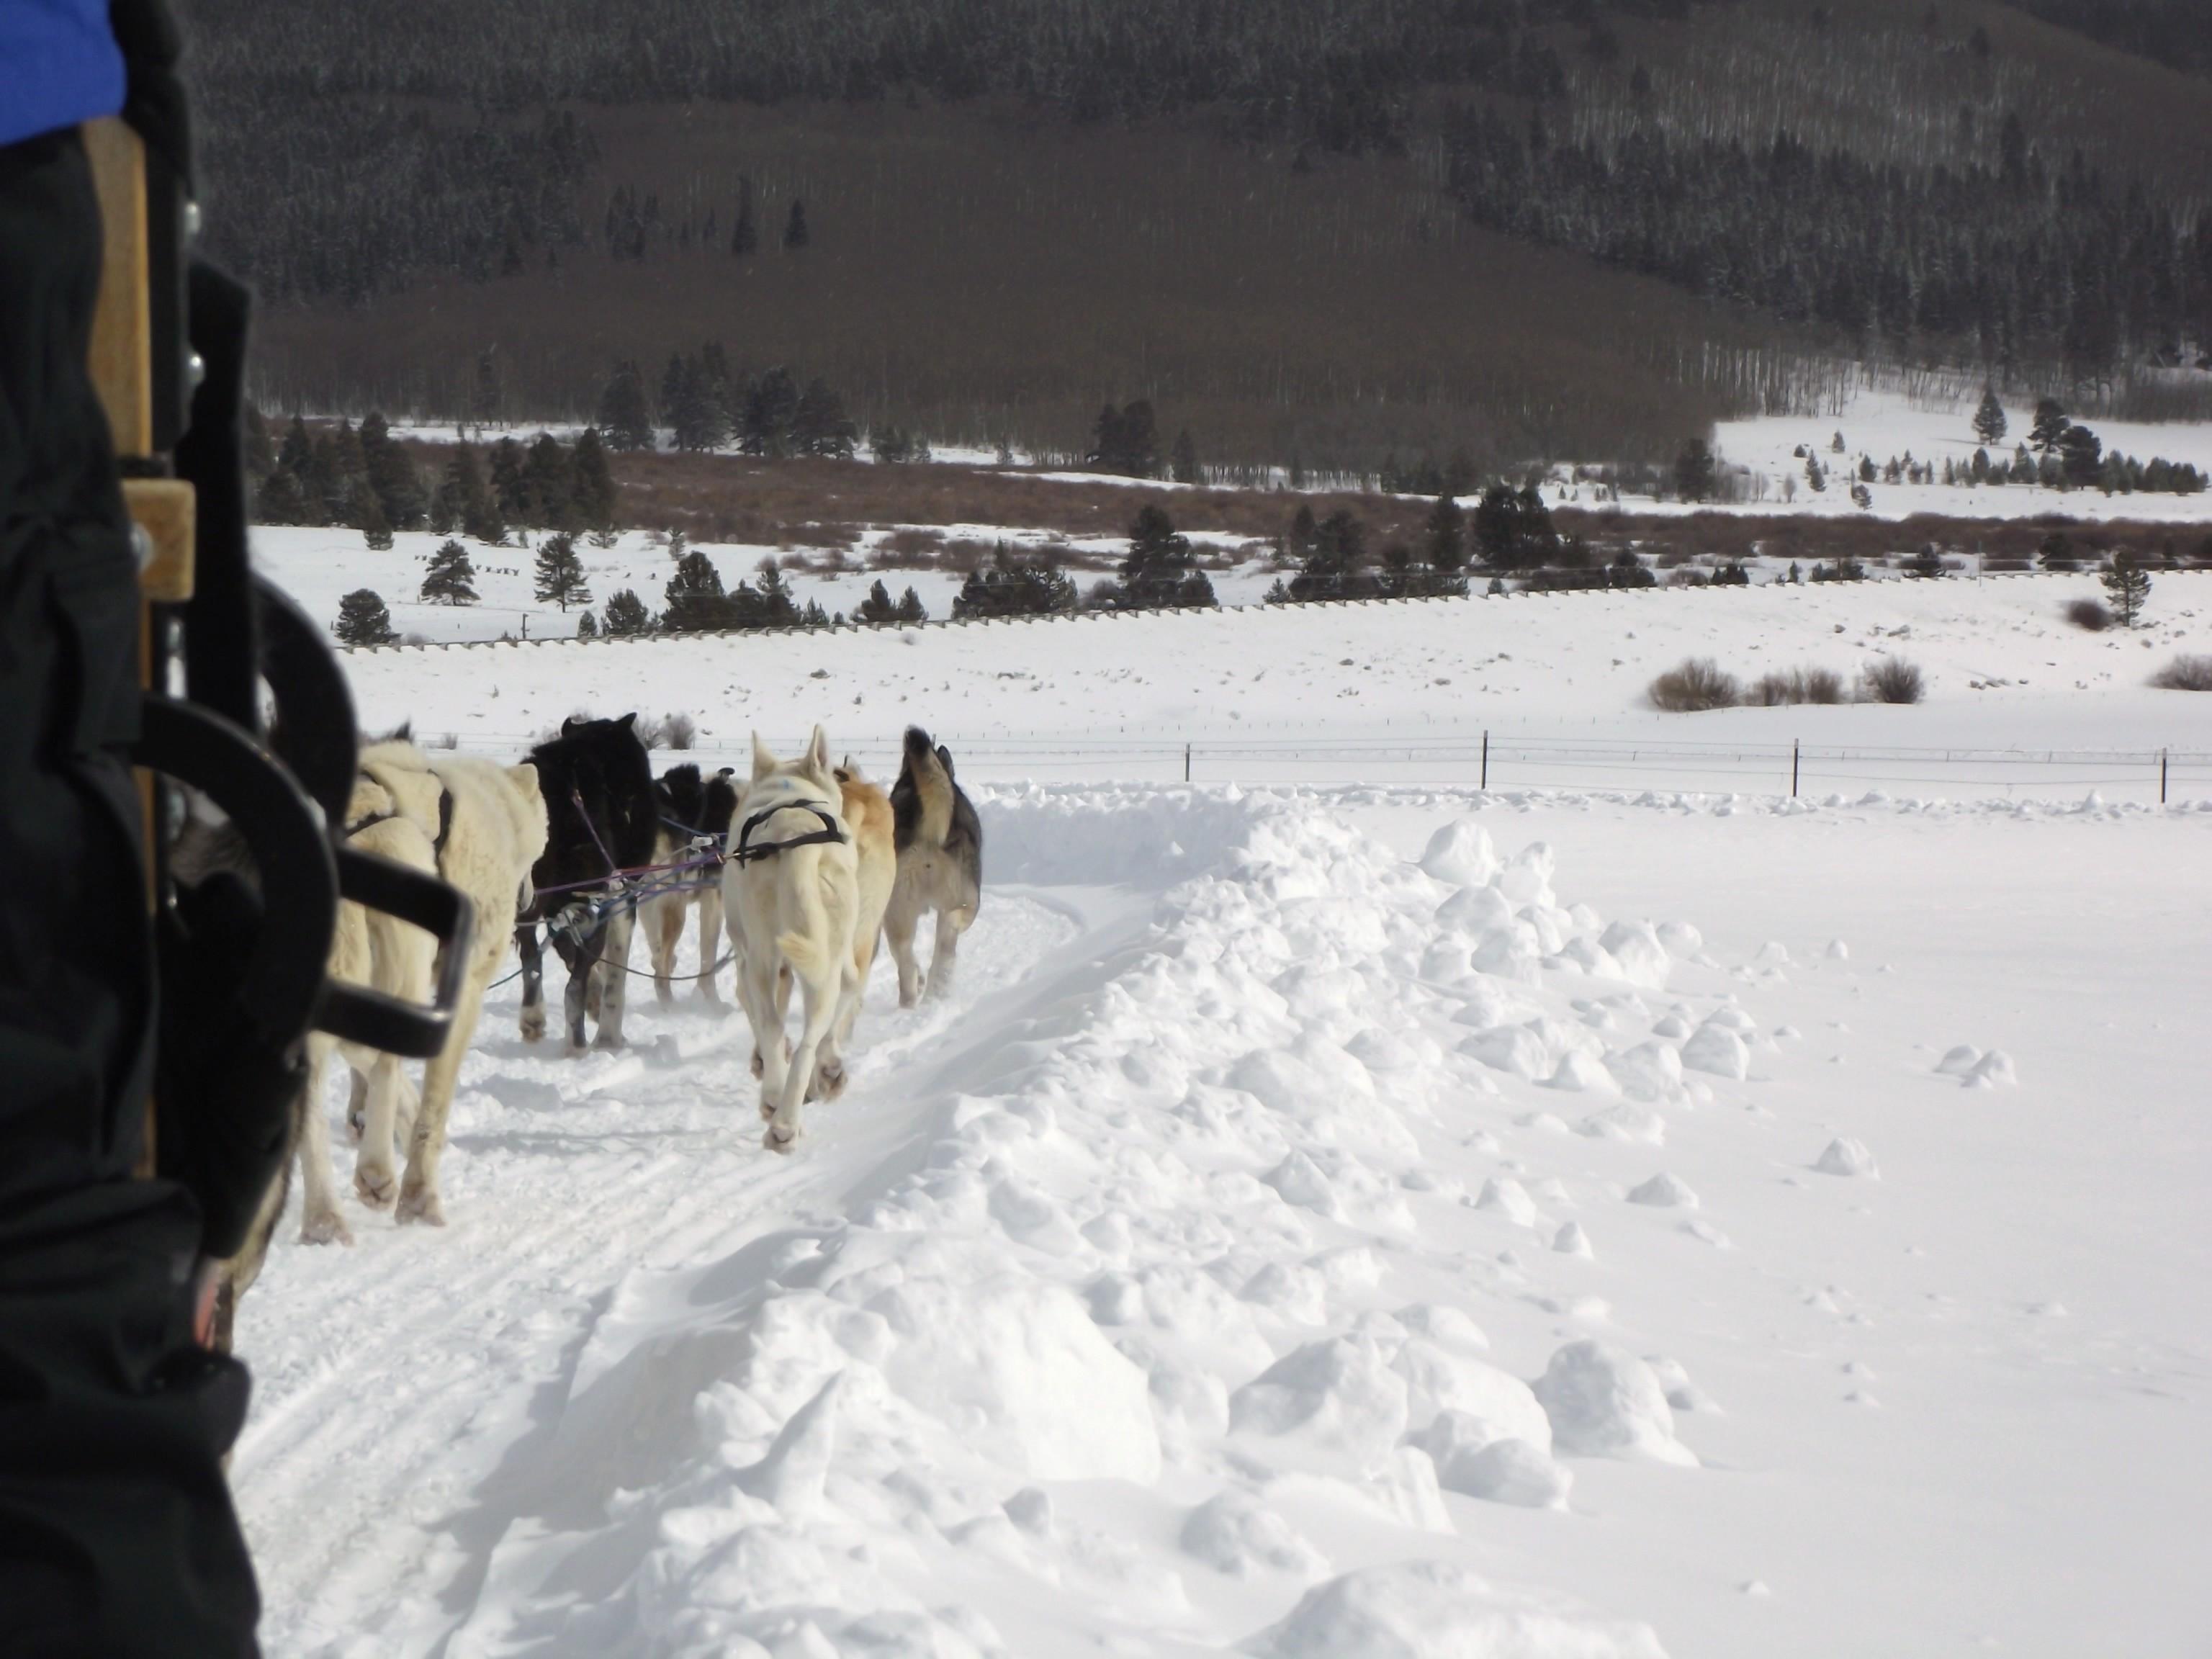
940, 864
479, 826
792, 893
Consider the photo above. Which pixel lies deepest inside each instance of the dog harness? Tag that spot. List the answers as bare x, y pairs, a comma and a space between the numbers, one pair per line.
830, 831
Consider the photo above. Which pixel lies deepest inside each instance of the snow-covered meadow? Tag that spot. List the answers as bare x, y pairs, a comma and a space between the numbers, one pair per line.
1339, 1212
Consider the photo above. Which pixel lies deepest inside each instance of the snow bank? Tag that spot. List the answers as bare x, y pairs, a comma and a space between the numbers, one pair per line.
1426, 1610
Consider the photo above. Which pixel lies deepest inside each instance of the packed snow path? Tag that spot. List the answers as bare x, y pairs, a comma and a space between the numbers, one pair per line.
1279, 1248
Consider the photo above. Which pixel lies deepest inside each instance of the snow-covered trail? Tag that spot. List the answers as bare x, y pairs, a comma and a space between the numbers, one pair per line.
400, 1386
1279, 1248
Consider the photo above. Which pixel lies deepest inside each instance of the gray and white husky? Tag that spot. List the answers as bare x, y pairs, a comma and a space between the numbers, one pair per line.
940, 864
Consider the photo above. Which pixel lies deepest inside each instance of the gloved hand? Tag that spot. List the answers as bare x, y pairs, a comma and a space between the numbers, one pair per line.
225, 1089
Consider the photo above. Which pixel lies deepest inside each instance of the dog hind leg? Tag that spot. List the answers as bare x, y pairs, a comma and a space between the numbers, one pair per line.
614, 969
321, 1223
533, 982
898, 933
375, 1179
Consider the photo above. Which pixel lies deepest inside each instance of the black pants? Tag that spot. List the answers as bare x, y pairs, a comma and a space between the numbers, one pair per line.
117, 1533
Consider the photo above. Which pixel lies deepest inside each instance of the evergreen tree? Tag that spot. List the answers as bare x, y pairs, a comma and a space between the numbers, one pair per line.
2080, 456
2127, 584
878, 607
340, 472
1185, 470
260, 448
561, 572
545, 485
1160, 572
766, 601
744, 238
450, 578
362, 620
1127, 441
587, 627
911, 609
624, 419
391, 474
794, 228
695, 398
1990, 426
819, 425
627, 615
509, 494
1695, 477
592, 490
1010, 585
1333, 570
2050, 428
695, 596
771, 415
486, 403
1443, 541
366, 514
281, 500
1513, 529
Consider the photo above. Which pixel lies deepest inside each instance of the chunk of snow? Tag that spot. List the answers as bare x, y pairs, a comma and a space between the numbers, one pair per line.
1460, 852
1434, 1610
1845, 1156
1664, 1191
1604, 1402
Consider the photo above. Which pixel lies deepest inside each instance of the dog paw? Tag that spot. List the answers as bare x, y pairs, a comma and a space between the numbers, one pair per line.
376, 1184
357, 1125
662, 995
612, 1044
423, 1204
759, 1066
534, 1025
830, 1080
325, 1227
779, 1138
574, 1050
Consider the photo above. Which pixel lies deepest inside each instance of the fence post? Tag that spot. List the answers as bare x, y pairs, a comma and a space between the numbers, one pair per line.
1485, 760
2161, 777
1186, 764
1793, 768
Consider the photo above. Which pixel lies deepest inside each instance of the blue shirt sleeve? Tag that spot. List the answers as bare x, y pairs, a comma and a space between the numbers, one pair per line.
59, 65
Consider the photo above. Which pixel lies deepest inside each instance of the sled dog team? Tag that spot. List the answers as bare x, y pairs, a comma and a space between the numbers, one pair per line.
802, 865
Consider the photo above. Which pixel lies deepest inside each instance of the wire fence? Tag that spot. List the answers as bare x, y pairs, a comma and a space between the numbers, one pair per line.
1503, 761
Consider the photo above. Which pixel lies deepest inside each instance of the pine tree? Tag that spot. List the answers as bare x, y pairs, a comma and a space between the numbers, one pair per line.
819, 426
1185, 470
465, 503
766, 600
627, 615
1695, 475
280, 500
1444, 540
794, 228
911, 609
2127, 584
1990, 426
771, 414
561, 573
695, 596
509, 492
743, 238
1160, 572
1127, 441
587, 627
486, 403
878, 607
298, 450
1011, 585
624, 419
260, 448
2080, 456
2050, 428
545, 485
592, 488
362, 620
366, 514
450, 578
391, 474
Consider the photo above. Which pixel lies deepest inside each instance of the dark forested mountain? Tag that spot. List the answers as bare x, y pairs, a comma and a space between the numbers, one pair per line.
1327, 228
2175, 32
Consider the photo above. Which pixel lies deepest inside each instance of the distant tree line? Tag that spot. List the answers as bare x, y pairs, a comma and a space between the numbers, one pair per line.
2175, 32
706, 405
2014, 261
365, 478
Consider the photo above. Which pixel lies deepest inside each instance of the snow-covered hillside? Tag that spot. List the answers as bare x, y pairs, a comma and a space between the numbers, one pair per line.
1651, 1226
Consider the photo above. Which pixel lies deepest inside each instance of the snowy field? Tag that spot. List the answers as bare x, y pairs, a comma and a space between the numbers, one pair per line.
1882, 425
1664, 1225
2019, 703
1340, 1214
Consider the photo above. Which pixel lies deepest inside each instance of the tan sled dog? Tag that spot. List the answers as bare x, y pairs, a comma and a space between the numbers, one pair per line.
479, 826
791, 893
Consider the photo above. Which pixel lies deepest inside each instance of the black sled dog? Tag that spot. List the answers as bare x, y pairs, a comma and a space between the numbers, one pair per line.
603, 820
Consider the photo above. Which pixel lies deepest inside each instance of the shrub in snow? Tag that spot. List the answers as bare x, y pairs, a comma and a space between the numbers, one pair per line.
1605, 1403
1697, 684
2090, 615
1816, 685
2184, 674
1892, 680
